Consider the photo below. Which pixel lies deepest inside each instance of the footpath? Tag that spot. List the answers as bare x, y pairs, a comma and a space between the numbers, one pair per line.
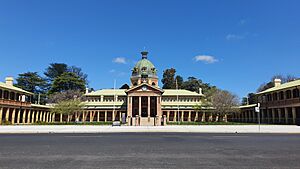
33, 129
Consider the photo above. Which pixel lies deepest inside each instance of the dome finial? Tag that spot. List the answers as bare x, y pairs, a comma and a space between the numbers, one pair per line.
144, 54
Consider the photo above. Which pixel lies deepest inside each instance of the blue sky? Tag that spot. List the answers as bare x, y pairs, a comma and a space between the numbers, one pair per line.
235, 45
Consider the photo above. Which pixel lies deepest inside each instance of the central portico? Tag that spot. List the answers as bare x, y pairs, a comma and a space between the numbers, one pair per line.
144, 103
144, 95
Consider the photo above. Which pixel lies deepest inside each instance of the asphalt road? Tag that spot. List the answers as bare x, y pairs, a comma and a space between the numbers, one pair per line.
148, 150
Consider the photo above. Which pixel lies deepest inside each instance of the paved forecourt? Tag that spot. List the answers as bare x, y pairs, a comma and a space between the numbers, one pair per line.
175, 129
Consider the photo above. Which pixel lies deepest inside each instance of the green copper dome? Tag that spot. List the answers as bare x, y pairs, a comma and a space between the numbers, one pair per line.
144, 67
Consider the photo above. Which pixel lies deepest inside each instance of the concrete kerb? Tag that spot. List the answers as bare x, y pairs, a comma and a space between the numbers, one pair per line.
289, 129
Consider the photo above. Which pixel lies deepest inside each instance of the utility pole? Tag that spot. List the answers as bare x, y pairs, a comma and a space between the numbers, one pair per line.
257, 110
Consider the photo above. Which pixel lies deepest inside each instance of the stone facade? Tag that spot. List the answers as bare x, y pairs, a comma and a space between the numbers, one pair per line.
16, 106
279, 105
144, 103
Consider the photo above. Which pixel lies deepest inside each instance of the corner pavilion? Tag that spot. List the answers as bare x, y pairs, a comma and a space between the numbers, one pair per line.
144, 103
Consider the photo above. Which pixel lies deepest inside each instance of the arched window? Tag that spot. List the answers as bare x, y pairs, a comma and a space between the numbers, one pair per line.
288, 94
295, 93
135, 84
153, 84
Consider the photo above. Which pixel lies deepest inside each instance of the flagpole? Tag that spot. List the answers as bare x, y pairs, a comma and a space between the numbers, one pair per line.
177, 102
114, 99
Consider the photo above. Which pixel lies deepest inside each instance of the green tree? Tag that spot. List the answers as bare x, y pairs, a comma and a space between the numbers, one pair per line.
67, 81
245, 101
168, 79
204, 107
54, 70
78, 72
250, 99
69, 108
124, 86
192, 84
179, 80
32, 82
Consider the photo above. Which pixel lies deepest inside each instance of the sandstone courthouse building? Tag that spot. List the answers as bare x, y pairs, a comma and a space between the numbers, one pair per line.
146, 103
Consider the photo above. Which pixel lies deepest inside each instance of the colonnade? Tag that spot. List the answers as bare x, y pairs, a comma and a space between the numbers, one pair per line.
186, 115
11, 115
285, 115
95, 116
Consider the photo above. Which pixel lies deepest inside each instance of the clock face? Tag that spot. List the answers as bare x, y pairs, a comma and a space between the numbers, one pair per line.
144, 88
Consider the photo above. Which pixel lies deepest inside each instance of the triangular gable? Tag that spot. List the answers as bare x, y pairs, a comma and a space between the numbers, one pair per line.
139, 87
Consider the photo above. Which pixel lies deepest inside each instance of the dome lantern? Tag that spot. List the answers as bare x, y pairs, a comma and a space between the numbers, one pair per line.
144, 71
144, 54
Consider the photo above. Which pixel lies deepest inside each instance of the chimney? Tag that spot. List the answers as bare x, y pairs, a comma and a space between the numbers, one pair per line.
200, 90
9, 81
86, 90
277, 82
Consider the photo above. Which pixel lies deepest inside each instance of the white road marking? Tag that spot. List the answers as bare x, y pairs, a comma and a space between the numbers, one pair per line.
84, 136
229, 136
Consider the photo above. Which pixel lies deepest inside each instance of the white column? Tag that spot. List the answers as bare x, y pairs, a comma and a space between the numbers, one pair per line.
98, 116
91, 116
60, 119
32, 116
203, 117
175, 116
168, 115
53, 117
140, 106
13, 116
83, 116
105, 116
24, 116
189, 118
28, 116
41, 115
149, 106
18, 116
7, 114
113, 115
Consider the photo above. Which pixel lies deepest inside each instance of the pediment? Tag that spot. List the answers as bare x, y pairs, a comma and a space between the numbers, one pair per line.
144, 87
